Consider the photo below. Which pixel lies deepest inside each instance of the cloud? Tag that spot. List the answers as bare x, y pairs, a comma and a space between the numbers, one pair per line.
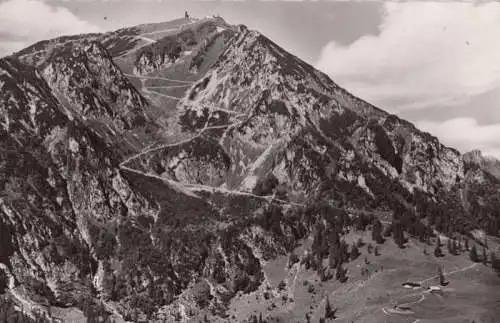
9, 46
466, 134
23, 22
426, 55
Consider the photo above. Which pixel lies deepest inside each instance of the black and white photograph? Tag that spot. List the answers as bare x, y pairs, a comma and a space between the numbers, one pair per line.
249, 161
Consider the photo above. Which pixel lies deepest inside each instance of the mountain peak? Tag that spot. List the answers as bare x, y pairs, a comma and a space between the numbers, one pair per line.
488, 163
157, 172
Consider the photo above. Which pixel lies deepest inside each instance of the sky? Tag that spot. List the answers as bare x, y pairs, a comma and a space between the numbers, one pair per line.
436, 64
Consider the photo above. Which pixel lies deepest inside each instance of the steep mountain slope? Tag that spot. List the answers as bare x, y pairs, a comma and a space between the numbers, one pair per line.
156, 173
475, 159
75, 227
93, 89
59, 185
283, 117
184, 49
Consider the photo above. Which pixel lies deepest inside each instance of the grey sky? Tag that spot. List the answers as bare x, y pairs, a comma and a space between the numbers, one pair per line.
437, 65
303, 28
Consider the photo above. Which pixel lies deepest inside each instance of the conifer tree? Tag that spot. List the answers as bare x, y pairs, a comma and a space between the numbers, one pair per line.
340, 275
437, 251
328, 307
377, 232
495, 262
292, 259
450, 248
354, 252
329, 312
5, 311
332, 260
397, 234
473, 254
454, 247
442, 280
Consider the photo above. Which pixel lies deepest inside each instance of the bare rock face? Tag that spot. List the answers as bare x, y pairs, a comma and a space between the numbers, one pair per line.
475, 159
87, 77
57, 189
91, 88
280, 104
105, 208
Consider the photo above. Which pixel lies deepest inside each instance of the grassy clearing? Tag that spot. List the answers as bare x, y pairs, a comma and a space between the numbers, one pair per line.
473, 292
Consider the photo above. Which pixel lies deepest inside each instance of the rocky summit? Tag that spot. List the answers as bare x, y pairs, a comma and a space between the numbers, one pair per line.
195, 171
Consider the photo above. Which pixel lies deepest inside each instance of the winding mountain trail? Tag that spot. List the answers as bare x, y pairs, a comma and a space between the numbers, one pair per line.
143, 36
148, 91
396, 310
270, 198
153, 149
180, 27
149, 40
157, 78
173, 184
422, 297
161, 31
189, 189
167, 86
450, 273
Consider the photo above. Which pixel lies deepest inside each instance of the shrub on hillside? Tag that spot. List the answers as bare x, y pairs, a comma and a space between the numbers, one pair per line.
377, 232
495, 262
438, 252
293, 259
354, 252
3, 281
473, 254
201, 293
265, 186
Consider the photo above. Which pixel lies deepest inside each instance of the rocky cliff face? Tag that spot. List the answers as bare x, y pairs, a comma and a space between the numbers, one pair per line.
104, 207
93, 89
60, 185
276, 106
475, 159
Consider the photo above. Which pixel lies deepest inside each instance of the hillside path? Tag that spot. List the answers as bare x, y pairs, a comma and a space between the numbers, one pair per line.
395, 310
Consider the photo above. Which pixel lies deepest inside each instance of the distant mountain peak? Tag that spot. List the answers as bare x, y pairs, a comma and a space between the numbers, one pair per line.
488, 163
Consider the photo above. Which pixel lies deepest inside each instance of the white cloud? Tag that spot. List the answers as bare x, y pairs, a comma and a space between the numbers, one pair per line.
466, 134
23, 22
9, 46
426, 55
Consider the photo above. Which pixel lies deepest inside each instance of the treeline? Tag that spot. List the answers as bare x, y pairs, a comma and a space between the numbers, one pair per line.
93, 310
9, 314
330, 224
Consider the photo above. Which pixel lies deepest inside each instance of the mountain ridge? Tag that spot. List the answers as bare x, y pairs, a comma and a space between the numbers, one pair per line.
177, 215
